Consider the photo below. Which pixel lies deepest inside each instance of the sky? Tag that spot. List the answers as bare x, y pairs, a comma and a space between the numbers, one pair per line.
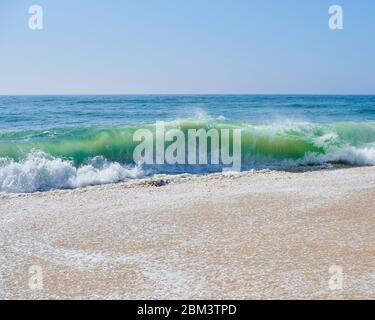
195, 46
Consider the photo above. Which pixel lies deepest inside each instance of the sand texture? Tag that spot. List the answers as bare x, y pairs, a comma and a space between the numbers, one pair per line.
262, 235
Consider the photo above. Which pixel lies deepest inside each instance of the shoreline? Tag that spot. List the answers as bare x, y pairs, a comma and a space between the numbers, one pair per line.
163, 179
250, 235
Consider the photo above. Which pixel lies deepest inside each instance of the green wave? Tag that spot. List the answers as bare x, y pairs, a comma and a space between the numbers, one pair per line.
277, 142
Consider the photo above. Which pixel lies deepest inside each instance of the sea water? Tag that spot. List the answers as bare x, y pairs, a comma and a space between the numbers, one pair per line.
58, 142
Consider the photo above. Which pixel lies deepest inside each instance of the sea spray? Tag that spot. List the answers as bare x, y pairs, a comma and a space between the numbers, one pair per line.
81, 156
43, 172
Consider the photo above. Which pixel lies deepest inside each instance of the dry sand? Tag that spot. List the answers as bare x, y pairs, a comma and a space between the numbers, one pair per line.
236, 236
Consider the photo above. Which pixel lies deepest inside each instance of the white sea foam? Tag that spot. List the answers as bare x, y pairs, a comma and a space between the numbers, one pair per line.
41, 172
349, 155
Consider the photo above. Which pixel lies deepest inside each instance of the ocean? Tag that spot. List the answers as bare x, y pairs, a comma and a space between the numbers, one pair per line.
65, 142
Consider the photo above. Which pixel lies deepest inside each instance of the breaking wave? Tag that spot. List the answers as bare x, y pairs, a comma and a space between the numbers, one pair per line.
77, 157
42, 172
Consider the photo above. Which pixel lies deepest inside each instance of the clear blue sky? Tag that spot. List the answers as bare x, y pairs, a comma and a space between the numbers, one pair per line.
195, 46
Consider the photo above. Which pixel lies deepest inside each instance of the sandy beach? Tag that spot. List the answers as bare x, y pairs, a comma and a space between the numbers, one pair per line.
254, 235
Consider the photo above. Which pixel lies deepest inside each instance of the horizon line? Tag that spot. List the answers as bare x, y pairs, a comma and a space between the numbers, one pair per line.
184, 94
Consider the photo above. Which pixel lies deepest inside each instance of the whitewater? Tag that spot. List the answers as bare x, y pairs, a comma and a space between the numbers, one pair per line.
93, 141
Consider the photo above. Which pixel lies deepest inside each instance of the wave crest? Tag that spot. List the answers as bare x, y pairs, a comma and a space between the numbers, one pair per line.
42, 172
105, 155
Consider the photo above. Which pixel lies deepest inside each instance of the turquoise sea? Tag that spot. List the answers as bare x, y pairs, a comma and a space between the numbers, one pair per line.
58, 142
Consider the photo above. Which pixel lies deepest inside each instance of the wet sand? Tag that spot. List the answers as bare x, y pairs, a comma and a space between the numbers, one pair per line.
262, 235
